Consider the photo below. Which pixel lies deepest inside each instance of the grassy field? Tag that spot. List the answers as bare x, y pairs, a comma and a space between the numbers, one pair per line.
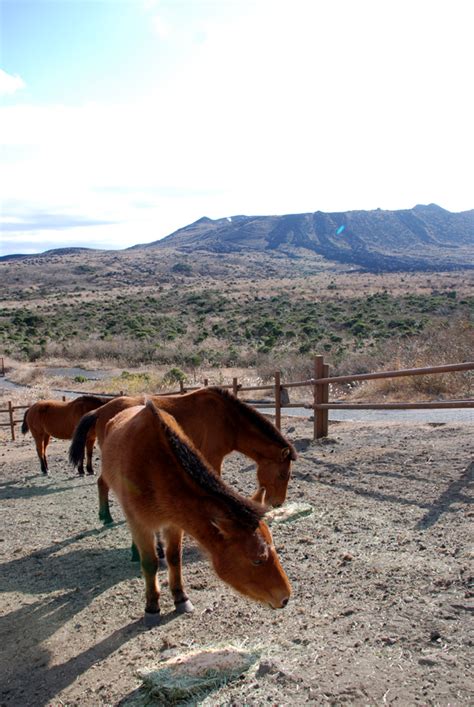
260, 314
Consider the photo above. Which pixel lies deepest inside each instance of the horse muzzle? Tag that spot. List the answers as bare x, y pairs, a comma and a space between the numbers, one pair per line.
279, 604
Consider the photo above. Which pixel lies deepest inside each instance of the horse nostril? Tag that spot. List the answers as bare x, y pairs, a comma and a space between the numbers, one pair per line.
284, 601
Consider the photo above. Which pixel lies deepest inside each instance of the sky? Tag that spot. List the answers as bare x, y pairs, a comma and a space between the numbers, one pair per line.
122, 121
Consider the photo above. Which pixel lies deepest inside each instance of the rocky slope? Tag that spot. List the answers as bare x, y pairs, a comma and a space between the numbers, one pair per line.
422, 238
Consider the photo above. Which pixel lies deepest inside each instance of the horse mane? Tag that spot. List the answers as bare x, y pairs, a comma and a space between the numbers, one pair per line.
92, 399
244, 511
259, 420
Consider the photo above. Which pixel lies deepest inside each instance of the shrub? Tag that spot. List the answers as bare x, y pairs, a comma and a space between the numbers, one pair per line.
174, 375
182, 268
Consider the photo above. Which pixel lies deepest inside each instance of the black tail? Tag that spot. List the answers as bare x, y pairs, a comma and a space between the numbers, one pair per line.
78, 444
24, 426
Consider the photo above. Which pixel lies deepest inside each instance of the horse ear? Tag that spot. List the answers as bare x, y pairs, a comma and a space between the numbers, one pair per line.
288, 452
222, 525
259, 496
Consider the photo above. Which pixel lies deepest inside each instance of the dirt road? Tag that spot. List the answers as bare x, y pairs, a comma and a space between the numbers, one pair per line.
381, 612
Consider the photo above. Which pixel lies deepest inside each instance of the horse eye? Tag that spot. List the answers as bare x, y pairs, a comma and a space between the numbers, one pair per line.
257, 562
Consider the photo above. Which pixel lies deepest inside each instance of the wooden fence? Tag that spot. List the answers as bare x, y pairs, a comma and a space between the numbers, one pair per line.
320, 384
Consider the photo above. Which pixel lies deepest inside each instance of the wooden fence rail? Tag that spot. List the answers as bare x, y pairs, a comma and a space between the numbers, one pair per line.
320, 384
323, 381
10, 410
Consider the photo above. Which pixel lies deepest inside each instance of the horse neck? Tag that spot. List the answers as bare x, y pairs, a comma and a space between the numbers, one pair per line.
194, 515
251, 441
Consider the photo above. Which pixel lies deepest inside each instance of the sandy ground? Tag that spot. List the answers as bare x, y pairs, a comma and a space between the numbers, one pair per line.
382, 603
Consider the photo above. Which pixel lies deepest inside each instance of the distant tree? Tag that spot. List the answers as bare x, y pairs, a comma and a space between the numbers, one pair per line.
182, 268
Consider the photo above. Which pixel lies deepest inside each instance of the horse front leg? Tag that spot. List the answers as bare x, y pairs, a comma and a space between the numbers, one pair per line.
173, 539
144, 540
104, 510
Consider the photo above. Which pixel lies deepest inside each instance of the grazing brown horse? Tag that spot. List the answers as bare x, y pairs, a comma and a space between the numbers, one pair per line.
217, 423
164, 484
55, 418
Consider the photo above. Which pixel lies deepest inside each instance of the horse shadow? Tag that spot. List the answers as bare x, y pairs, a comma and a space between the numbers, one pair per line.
45, 571
12, 491
453, 494
8, 484
28, 680
62, 593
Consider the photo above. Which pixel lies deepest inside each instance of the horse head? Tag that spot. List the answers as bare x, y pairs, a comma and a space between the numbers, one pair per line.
274, 474
246, 559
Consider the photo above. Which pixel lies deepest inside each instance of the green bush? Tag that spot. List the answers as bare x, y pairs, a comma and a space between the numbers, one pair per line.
174, 375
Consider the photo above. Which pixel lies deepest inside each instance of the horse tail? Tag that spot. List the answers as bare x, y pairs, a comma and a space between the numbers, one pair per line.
24, 425
78, 444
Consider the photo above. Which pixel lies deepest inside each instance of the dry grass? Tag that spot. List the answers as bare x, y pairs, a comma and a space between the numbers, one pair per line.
441, 344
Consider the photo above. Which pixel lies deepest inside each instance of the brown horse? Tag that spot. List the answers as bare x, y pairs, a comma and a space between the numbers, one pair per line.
55, 418
164, 484
217, 423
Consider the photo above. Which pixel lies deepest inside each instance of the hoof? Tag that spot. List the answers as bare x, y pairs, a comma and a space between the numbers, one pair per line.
184, 607
90, 473
150, 620
80, 473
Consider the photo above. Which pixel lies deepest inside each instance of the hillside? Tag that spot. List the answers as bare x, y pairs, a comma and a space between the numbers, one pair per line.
422, 238
425, 238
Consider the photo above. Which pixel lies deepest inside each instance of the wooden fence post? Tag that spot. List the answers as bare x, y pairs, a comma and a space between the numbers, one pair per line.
318, 397
277, 400
235, 386
325, 399
181, 386
12, 423
206, 382
2, 367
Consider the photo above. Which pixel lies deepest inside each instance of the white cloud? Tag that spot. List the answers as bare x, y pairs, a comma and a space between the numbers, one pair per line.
278, 109
161, 27
9, 83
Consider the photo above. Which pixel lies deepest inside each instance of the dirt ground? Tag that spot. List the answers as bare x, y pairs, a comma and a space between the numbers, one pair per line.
382, 603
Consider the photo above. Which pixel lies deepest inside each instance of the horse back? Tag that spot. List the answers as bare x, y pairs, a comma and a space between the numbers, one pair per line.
136, 461
48, 417
106, 412
207, 420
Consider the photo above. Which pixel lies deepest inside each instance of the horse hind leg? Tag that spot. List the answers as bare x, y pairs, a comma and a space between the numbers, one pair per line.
89, 449
144, 540
104, 509
173, 539
80, 466
41, 442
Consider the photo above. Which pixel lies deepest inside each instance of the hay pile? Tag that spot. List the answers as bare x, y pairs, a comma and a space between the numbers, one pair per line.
191, 676
288, 513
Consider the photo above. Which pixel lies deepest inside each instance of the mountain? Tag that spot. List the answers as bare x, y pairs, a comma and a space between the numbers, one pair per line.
46, 253
422, 238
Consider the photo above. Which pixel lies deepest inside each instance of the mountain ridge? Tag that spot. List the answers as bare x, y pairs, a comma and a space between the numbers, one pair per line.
425, 237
